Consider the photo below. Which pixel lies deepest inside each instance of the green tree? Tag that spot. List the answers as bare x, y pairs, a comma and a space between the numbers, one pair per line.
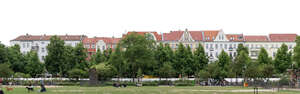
160, 55
69, 61
139, 53
105, 71
15, 58
283, 59
97, 58
3, 54
80, 57
77, 73
117, 60
240, 64
180, 60
296, 56
189, 62
263, 57
107, 53
55, 60
241, 47
33, 65
223, 63
253, 71
266, 63
166, 70
201, 60
5, 71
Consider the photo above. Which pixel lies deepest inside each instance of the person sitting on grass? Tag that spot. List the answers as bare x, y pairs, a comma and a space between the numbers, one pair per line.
43, 89
29, 87
1, 91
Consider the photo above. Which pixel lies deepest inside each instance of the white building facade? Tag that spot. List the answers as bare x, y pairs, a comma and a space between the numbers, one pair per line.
214, 41
39, 43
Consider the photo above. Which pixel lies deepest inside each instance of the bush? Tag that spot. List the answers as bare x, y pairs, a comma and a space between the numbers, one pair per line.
184, 83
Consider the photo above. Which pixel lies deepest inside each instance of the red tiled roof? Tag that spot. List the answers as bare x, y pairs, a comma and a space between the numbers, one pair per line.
107, 40
252, 38
210, 35
282, 37
172, 36
157, 36
235, 37
197, 35
47, 37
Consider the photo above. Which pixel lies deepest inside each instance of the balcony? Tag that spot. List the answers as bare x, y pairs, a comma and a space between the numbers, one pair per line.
230, 49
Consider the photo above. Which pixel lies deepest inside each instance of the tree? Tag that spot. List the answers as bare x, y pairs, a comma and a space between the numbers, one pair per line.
283, 59
33, 65
80, 56
69, 59
5, 71
240, 64
263, 57
201, 60
55, 60
241, 47
189, 62
107, 53
138, 54
180, 60
266, 63
118, 62
296, 56
223, 63
105, 71
97, 58
77, 73
253, 70
166, 70
15, 58
3, 54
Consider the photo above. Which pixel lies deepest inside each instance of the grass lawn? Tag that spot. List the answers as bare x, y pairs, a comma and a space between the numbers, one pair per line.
149, 90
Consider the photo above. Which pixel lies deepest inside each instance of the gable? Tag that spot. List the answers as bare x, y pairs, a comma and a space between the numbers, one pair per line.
186, 36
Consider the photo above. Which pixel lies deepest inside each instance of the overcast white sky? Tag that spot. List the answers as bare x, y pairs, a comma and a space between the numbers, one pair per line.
114, 17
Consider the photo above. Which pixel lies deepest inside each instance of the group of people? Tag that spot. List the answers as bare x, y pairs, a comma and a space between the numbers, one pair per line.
118, 85
30, 87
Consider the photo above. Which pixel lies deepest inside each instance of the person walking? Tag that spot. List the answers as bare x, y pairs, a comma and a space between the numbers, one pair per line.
1, 91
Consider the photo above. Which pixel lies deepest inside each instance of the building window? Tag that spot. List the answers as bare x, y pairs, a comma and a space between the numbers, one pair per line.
221, 46
27, 45
103, 48
43, 57
225, 45
274, 54
93, 46
43, 42
234, 46
206, 46
24, 45
211, 46
43, 50
216, 45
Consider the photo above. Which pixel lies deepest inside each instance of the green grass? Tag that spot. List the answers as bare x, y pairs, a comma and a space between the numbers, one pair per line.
146, 90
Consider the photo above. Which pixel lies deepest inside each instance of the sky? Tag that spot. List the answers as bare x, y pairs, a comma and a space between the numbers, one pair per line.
106, 18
